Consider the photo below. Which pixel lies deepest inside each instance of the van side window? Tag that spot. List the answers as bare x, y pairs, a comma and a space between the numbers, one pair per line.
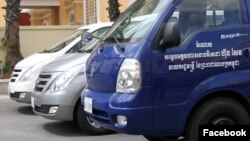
102, 30
223, 13
98, 32
75, 48
194, 15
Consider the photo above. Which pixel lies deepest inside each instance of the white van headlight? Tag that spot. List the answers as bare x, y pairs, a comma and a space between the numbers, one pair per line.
129, 77
31, 73
64, 79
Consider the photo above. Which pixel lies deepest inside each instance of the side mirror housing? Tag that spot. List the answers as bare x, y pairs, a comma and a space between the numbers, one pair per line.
87, 37
171, 34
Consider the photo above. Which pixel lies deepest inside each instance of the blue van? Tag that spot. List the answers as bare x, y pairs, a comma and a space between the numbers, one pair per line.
168, 66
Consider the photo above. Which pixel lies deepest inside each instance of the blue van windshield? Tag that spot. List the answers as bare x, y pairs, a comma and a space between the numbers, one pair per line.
135, 24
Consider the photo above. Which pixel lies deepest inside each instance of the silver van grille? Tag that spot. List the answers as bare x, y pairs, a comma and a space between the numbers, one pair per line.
42, 81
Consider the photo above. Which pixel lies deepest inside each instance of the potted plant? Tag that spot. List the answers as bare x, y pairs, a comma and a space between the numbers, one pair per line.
5, 73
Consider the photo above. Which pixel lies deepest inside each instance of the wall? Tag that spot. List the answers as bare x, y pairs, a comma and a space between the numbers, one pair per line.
38, 38
2, 12
63, 16
44, 16
55, 16
78, 13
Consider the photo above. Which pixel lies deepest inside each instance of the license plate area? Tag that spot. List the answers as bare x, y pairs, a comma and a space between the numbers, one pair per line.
88, 105
32, 102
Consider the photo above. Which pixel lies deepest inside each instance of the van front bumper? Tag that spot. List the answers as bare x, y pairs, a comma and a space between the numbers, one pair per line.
106, 109
21, 92
60, 99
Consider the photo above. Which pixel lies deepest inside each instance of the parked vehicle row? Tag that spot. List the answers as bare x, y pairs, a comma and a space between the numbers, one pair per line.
52, 81
164, 68
22, 82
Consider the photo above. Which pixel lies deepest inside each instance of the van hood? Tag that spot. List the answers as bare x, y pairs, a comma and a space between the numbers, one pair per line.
104, 65
35, 59
66, 62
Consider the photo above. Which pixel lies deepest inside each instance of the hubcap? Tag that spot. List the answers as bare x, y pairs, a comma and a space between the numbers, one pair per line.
92, 123
222, 121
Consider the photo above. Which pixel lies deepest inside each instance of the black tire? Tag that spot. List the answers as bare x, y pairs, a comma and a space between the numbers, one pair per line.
216, 111
87, 125
164, 138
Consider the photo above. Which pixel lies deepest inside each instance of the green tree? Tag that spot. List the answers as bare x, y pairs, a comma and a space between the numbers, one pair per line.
113, 9
11, 38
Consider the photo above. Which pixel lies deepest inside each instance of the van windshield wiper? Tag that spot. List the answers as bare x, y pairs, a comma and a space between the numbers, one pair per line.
117, 41
101, 40
82, 51
45, 51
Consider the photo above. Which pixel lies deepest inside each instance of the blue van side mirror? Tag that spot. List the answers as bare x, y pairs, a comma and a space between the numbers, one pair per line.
172, 34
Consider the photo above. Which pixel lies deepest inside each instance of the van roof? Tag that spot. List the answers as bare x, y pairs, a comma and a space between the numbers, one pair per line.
96, 26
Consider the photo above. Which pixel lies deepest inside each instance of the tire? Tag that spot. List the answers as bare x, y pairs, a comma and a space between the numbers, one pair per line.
88, 126
163, 138
216, 111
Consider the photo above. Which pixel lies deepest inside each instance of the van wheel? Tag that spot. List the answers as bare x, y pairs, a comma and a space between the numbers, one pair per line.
163, 138
217, 111
86, 124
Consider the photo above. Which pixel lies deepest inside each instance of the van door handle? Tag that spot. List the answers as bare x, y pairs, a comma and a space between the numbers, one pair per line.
246, 55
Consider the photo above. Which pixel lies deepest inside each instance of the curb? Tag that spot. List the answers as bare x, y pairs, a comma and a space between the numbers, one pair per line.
4, 97
4, 80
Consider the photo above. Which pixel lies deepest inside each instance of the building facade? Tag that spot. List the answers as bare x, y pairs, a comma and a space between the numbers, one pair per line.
96, 10
44, 16
71, 12
74, 12
63, 12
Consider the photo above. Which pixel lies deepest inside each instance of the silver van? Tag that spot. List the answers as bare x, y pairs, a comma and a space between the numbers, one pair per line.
58, 90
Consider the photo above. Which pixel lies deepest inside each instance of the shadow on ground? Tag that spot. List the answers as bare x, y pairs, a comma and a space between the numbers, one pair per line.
67, 129
26, 110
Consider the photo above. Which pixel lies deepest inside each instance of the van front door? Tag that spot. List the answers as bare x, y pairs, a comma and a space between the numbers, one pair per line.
212, 38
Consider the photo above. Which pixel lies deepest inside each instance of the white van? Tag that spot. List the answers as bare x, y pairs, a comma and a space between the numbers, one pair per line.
26, 72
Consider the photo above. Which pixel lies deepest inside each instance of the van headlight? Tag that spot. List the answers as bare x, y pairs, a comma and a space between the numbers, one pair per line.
129, 77
31, 73
64, 79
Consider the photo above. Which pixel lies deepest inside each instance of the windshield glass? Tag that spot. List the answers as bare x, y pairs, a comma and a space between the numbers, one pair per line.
89, 46
66, 41
135, 24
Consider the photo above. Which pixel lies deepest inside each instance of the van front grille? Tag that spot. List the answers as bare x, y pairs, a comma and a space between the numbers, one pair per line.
43, 109
15, 74
42, 81
15, 95
44, 76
